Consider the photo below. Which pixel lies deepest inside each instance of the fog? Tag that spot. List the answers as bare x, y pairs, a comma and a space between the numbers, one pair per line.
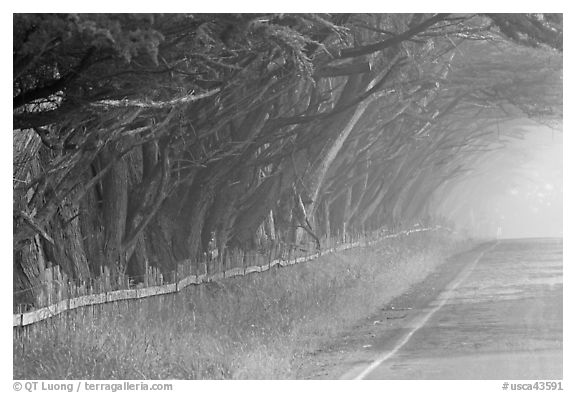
514, 192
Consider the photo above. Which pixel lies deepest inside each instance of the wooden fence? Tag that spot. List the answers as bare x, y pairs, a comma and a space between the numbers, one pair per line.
58, 294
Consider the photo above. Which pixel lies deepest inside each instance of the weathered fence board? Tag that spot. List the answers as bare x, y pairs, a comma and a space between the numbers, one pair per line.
156, 290
186, 281
87, 300
236, 271
122, 294
252, 269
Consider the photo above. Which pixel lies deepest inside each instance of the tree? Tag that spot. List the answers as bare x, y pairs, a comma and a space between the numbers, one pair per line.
149, 139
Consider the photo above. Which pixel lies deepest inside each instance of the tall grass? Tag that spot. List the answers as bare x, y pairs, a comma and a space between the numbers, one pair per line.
258, 326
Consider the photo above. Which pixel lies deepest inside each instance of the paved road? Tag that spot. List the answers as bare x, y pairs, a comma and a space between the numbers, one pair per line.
499, 318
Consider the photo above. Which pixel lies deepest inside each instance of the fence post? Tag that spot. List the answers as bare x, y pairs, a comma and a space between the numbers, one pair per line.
270, 257
48, 278
21, 316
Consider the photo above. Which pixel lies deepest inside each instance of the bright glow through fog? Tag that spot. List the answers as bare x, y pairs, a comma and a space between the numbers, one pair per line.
517, 191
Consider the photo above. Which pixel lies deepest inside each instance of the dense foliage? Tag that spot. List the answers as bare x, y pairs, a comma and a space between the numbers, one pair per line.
148, 139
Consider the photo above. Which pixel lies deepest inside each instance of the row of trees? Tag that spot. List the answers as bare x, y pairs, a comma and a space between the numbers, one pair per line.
147, 139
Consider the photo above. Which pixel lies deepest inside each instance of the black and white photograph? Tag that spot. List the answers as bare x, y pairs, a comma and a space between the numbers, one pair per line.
287, 196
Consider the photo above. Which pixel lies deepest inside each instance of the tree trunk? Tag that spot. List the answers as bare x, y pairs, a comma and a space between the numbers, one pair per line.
327, 229
68, 249
330, 153
29, 263
115, 204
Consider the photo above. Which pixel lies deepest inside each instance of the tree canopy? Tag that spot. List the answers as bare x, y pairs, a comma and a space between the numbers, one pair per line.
147, 139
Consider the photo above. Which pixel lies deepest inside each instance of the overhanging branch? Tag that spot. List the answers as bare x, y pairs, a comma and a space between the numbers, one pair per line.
155, 104
395, 40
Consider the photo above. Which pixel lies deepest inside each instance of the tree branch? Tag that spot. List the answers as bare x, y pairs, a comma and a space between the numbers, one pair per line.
156, 104
378, 46
32, 224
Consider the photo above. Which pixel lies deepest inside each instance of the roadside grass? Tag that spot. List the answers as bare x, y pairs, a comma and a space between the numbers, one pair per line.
258, 326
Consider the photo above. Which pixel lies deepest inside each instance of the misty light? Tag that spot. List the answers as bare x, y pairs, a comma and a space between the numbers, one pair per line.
516, 193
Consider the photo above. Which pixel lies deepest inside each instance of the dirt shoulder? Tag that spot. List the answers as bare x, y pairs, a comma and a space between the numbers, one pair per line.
374, 334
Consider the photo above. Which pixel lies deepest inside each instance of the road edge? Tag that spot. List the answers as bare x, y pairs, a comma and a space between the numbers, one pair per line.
419, 321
